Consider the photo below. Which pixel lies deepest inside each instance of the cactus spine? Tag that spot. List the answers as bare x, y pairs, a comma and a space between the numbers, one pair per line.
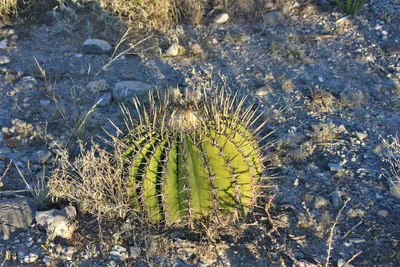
193, 160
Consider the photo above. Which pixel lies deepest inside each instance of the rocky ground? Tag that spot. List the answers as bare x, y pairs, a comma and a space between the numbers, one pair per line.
328, 83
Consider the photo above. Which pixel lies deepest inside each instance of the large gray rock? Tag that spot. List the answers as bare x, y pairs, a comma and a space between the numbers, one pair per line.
96, 46
58, 223
125, 91
16, 215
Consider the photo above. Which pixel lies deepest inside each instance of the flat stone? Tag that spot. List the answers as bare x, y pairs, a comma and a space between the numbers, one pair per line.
40, 156
273, 17
98, 86
383, 213
361, 136
16, 215
25, 84
4, 60
221, 18
96, 46
104, 100
5, 151
352, 97
125, 91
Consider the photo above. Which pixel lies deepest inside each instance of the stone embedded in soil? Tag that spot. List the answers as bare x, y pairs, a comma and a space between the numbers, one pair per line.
16, 215
335, 167
104, 100
352, 97
25, 84
125, 91
383, 213
273, 17
5, 151
56, 223
3, 44
221, 18
361, 135
97, 86
4, 60
40, 156
263, 91
12, 142
174, 50
96, 46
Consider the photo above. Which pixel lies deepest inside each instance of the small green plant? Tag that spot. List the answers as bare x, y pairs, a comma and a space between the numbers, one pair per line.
193, 159
351, 7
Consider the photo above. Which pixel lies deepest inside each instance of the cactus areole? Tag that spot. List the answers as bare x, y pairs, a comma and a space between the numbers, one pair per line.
193, 160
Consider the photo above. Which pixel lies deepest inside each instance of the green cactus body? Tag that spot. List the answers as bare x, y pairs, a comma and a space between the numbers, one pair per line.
197, 169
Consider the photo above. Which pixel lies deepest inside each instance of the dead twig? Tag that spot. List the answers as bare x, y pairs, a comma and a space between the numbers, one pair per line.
330, 239
5, 172
351, 230
351, 259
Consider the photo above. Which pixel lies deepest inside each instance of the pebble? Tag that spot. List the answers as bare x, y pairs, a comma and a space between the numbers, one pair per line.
383, 213
4, 60
78, 55
221, 18
337, 202
97, 86
245, 38
96, 46
352, 97
356, 240
263, 91
26, 83
12, 142
320, 79
174, 50
342, 263
361, 136
44, 102
352, 213
104, 100
396, 208
3, 44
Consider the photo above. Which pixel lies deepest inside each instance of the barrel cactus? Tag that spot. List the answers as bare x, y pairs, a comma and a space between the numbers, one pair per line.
190, 159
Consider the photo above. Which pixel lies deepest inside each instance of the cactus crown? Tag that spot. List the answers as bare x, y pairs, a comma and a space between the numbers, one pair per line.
191, 158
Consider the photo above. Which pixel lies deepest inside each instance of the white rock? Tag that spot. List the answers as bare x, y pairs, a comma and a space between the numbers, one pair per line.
96, 46
395, 190
221, 18
3, 44
44, 102
173, 50
56, 224
320, 79
4, 60
263, 91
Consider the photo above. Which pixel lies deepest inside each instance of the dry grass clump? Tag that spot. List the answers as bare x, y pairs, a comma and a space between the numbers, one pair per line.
392, 156
94, 181
10, 8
